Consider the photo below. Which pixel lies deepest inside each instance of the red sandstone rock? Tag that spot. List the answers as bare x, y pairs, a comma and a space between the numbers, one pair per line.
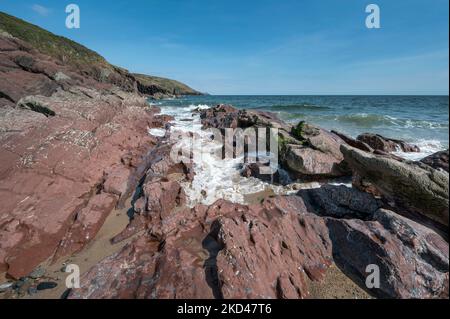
317, 155
200, 251
384, 144
270, 250
116, 180
413, 260
69, 138
354, 143
88, 222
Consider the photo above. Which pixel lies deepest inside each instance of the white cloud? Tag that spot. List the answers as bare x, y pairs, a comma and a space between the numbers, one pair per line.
41, 10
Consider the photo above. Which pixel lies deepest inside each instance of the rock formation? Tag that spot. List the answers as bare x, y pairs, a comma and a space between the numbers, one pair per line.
75, 145
437, 160
305, 150
414, 186
381, 143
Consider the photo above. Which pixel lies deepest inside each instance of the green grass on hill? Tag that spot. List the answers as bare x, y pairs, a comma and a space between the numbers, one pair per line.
75, 54
48, 43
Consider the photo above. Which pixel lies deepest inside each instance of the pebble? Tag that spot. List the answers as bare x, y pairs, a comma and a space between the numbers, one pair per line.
37, 273
21, 286
22, 281
32, 291
6, 286
46, 285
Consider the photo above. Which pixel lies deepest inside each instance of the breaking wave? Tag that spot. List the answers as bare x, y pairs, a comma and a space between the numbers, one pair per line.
427, 147
365, 119
214, 177
298, 107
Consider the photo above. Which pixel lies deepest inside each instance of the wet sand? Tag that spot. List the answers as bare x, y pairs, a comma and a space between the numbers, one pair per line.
336, 285
94, 252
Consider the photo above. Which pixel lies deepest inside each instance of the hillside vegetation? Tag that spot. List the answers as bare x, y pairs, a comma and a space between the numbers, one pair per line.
169, 86
88, 61
48, 43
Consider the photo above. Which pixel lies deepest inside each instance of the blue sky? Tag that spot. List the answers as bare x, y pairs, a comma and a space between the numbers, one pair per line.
264, 46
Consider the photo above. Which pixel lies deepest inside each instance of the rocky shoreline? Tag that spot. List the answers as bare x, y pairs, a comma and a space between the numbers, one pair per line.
273, 248
75, 150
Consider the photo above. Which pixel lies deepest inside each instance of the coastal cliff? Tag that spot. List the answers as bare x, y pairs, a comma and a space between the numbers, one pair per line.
75, 58
74, 138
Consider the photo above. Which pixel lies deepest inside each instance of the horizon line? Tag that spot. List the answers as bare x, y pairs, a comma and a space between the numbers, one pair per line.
334, 94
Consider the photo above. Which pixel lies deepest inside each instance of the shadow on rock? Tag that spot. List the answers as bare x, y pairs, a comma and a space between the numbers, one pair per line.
213, 246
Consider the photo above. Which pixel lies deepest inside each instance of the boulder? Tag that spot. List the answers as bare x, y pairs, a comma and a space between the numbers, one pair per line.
437, 160
385, 144
305, 150
414, 186
226, 116
317, 155
340, 202
354, 143
163, 196
222, 116
412, 260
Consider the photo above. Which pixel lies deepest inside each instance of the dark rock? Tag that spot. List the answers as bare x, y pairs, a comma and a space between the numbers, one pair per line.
22, 285
21, 282
226, 116
221, 116
46, 285
65, 294
341, 202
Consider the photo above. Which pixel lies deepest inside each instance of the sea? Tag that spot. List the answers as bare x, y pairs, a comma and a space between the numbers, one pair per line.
421, 120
